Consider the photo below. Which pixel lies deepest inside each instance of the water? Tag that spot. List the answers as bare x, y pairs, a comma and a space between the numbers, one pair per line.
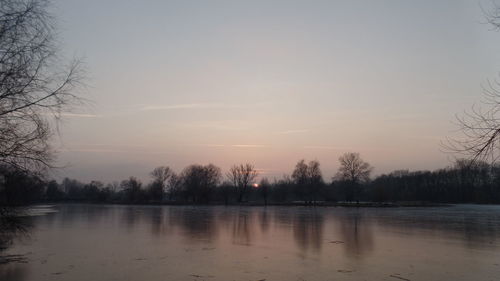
96, 242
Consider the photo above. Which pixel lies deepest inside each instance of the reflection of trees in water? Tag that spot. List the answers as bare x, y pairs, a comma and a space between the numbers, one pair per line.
264, 220
197, 223
145, 216
12, 226
242, 227
130, 217
479, 231
157, 219
13, 272
6, 238
95, 215
283, 217
356, 233
70, 214
13, 223
474, 226
308, 229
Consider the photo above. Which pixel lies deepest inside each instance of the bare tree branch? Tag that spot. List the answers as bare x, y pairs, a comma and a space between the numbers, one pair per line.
479, 128
33, 86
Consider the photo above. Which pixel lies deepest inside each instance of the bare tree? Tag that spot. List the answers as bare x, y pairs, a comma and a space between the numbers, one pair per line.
241, 176
174, 186
199, 181
264, 187
492, 15
300, 172
161, 174
353, 169
480, 127
315, 180
160, 177
308, 180
33, 85
132, 189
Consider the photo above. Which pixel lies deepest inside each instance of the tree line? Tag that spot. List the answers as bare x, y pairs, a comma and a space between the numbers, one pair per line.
465, 181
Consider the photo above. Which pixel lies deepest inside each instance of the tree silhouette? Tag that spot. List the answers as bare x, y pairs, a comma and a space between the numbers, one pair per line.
53, 193
199, 182
264, 187
132, 190
353, 168
480, 126
160, 177
33, 85
353, 171
308, 180
241, 176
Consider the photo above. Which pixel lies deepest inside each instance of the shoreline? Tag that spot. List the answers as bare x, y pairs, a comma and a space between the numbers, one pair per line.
287, 204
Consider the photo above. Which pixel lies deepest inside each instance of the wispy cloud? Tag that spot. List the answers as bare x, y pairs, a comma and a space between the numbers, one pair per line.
248, 145
103, 150
326, 147
264, 171
101, 147
222, 125
190, 106
209, 145
232, 145
80, 115
292, 132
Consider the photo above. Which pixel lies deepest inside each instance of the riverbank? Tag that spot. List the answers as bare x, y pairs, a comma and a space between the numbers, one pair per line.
260, 204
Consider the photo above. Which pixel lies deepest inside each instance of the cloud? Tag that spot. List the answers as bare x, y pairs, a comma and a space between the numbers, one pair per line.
190, 106
104, 148
231, 145
292, 132
264, 171
80, 115
248, 145
209, 145
92, 150
324, 147
223, 125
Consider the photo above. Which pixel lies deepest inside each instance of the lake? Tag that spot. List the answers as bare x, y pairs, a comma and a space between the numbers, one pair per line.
114, 242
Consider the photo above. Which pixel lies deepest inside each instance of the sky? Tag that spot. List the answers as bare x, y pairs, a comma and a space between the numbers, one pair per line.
174, 83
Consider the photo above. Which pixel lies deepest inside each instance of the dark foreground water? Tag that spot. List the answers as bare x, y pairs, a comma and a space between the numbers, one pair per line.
96, 242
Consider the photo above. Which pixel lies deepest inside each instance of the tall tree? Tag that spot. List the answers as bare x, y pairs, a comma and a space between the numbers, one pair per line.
53, 193
241, 176
160, 177
480, 126
308, 180
199, 181
353, 171
264, 187
315, 180
353, 168
174, 186
132, 190
33, 83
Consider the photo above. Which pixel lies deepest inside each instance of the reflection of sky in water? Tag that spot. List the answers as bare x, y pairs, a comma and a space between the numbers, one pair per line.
253, 243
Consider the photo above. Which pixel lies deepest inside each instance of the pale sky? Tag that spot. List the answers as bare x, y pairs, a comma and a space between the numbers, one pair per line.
269, 82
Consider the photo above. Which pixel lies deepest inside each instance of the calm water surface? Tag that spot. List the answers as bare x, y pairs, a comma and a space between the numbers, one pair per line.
96, 242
